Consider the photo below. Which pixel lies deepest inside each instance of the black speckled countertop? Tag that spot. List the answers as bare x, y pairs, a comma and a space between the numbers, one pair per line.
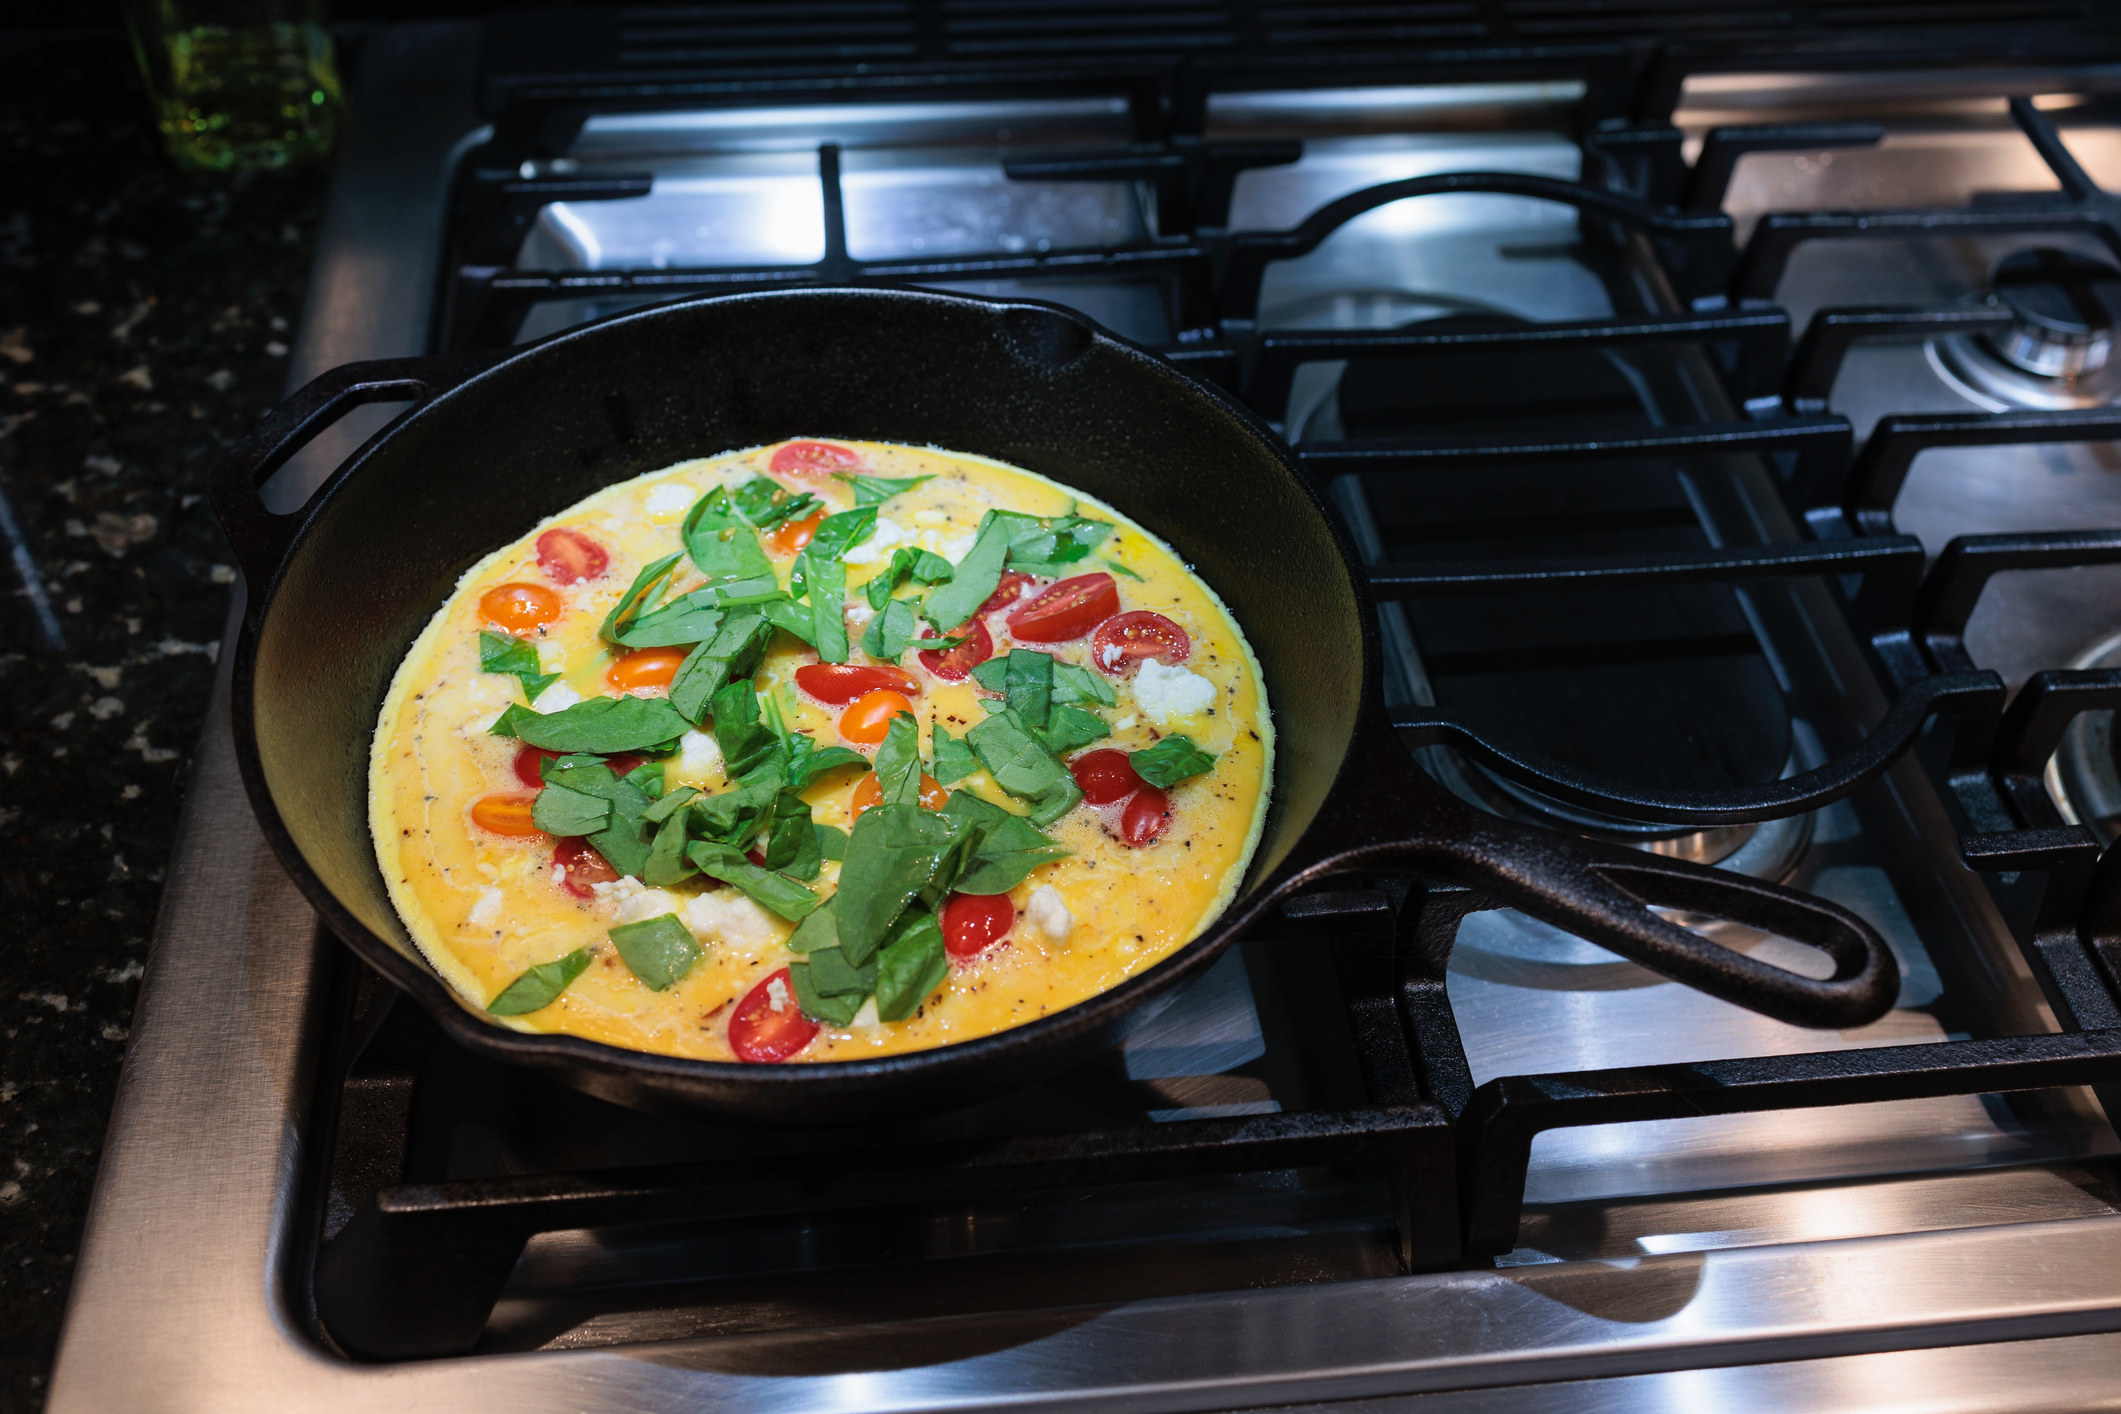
144, 321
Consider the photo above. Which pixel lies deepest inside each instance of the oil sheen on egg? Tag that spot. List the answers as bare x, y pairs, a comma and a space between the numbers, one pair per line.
483, 907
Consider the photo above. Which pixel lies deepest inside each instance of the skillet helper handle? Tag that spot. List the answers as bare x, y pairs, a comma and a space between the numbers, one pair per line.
259, 536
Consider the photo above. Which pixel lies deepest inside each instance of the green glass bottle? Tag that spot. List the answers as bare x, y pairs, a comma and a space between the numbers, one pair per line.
239, 83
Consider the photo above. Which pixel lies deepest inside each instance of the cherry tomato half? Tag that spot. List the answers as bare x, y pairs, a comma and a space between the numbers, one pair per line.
624, 765
972, 923
581, 866
1125, 639
812, 459
792, 535
840, 683
645, 667
767, 1024
1068, 610
1106, 777
504, 814
530, 761
869, 791
869, 719
1146, 817
569, 556
956, 664
1006, 593
519, 608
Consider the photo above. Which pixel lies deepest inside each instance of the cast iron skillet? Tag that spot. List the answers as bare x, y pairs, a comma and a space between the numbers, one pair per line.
339, 589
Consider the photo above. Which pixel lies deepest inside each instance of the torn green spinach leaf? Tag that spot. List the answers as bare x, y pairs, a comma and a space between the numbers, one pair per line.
637, 597
869, 490
1022, 766
657, 950
898, 762
733, 654
778, 892
538, 987
891, 632
1170, 761
517, 657
972, 579
953, 759
910, 966
1009, 847
605, 725
892, 853
721, 542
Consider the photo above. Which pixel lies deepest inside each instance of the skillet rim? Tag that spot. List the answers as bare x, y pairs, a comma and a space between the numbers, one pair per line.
685, 1078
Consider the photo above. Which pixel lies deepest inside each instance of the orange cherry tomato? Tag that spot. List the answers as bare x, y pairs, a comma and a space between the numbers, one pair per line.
767, 1024
1125, 639
792, 535
869, 791
869, 719
1146, 817
645, 667
1106, 777
530, 762
1068, 610
519, 608
972, 923
956, 664
504, 814
840, 683
812, 459
569, 556
581, 866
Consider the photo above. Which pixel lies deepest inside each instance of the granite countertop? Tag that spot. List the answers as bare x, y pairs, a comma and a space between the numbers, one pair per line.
144, 322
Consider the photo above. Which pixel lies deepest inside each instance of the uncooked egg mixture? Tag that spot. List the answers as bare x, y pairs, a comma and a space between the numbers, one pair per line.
818, 751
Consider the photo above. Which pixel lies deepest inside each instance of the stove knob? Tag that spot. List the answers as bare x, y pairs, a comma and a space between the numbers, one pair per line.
2064, 308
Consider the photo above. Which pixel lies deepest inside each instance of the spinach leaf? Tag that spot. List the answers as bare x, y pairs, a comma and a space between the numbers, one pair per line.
993, 674
826, 1011
825, 579
621, 840
831, 841
511, 719
1022, 766
776, 891
746, 742
1027, 686
1070, 727
720, 542
505, 653
561, 811
791, 841
1009, 846
910, 967
667, 863
657, 950
890, 633
837, 534
892, 853
793, 618
735, 817
807, 760
898, 762
1058, 543
766, 503
869, 490
833, 976
739, 593
606, 725
732, 654
819, 928
953, 759
1074, 684
689, 618
972, 578
1117, 568
637, 596
1170, 761
538, 986
907, 562
669, 805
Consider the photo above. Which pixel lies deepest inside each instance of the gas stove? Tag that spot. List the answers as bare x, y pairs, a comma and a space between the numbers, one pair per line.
1728, 427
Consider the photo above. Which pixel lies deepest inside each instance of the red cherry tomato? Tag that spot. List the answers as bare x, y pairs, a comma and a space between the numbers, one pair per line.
840, 683
1068, 610
1106, 777
519, 608
868, 720
956, 664
792, 535
645, 667
529, 760
972, 923
624, 765
767, 1025
869, 791
1006, 593
581, 866
505, 814
1126, 639
812, 459
1146, 817
569, 556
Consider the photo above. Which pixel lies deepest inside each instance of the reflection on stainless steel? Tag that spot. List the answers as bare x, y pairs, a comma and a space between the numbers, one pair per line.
2084, 775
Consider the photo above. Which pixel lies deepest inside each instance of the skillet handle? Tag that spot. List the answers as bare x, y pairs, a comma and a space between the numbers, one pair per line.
260, 537
1602, 892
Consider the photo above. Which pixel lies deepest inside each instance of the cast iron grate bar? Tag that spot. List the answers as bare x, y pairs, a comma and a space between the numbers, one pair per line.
1833, 332
1881, 469
1963, 571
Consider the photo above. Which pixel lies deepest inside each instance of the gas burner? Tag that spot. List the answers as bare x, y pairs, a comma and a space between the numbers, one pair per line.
2056, 352
2084, 776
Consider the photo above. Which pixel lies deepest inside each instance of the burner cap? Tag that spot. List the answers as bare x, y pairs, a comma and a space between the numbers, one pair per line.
2064, 308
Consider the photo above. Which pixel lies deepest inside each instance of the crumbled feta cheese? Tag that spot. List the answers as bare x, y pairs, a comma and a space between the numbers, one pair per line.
669, 498
1048, 914
699, 755
647, 903
931, 516
556, 697
1126, 723
957, 547
1163, 693
859, 614
777, 995
880, 542
622, 888
486, 909
559, 876
726, 916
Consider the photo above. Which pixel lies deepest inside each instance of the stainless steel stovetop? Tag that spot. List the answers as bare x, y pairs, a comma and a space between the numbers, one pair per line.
1952, 1253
